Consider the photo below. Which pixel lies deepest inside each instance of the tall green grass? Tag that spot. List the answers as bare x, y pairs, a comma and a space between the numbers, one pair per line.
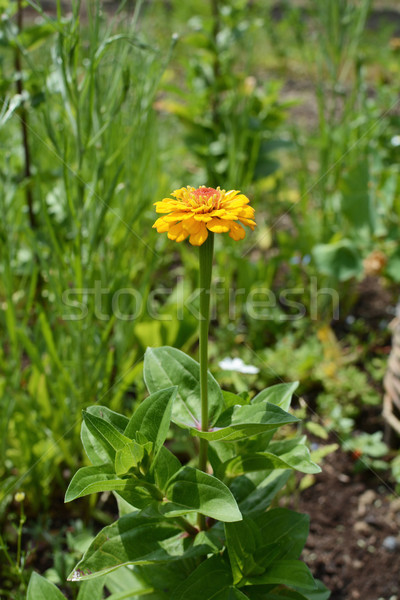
89, 82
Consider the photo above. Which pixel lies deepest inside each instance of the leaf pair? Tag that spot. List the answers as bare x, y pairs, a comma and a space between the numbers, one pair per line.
168, 366
263, 563
122, 459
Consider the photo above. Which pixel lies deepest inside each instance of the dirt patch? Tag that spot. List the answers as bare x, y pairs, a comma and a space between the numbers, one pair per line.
354, 541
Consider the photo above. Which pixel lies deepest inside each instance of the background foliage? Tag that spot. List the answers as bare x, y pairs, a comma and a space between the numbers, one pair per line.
107, 108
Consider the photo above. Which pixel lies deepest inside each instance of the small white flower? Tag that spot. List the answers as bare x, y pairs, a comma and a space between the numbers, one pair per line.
395, 141
236, 364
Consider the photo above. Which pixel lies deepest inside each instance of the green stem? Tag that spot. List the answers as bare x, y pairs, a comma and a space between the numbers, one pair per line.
205, 269
188, 527
22, 520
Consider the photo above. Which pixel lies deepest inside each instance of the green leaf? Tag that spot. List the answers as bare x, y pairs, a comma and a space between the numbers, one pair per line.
219, 453
255, 491
211, 578
191, 490
317, 429
40, 588
153, 417
90, 480
32, 37
242, 540
123, 579
231, 593
136, 539
96, 451
253, 544
339, 260
239, 422
91, 590
105, 432
277, 594
285, 572
298, 459
128, 457
230, 399
165, 367
285, 528
164, 467
393, 266
280, 395
357, 203
320, 593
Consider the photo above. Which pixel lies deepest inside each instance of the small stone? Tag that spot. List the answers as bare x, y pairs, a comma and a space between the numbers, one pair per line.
390, 543
361, 527
364, 501
358, 564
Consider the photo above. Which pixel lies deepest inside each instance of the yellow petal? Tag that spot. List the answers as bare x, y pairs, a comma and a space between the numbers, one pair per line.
247, 212
178, 215
191, 226
204, 218
165, 207
248, 222
197, 239
216, 225
236, 202
177, 233
237, 232
161, 225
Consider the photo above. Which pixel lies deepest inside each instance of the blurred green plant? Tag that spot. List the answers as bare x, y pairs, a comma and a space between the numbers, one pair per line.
86, 108
230, 119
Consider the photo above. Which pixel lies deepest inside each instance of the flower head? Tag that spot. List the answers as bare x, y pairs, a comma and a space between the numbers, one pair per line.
194, 212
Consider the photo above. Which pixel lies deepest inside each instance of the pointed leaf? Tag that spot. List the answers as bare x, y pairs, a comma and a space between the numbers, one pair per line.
240, 422
255, 593
253, 544
105, 433
211, 578
298, 458
153, 417
90, 480
286, 528
128, 457
40, 588
127, 578
136, 539
286, 572
191, 490
280, 395
242, 540
164, 367
97, 452
255, 491
164, 467
91, 590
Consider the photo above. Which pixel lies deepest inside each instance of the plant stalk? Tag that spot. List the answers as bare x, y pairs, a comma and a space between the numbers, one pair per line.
205, 270
24, 122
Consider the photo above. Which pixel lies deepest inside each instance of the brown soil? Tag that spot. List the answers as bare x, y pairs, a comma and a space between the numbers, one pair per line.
354, 521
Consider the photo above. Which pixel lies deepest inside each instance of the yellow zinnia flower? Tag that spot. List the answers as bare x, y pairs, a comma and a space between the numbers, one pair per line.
194, 212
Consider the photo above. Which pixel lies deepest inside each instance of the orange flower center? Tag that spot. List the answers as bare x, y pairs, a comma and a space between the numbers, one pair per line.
207, 197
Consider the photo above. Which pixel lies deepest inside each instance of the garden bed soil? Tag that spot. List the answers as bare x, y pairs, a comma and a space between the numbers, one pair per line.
354, 541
